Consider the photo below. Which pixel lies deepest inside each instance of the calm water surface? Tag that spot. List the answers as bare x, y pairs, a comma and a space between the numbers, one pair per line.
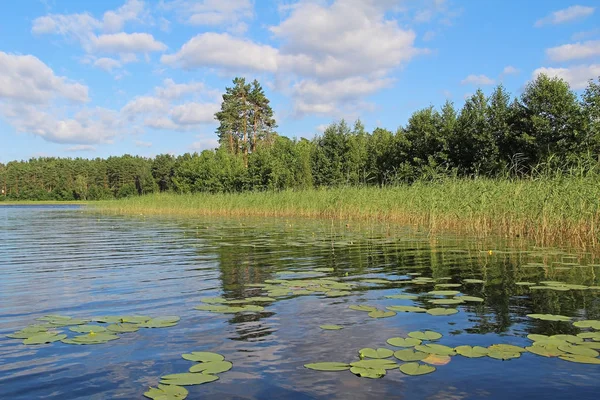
61, 260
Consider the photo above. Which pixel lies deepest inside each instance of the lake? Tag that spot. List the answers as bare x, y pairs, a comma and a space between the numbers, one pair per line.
62, 260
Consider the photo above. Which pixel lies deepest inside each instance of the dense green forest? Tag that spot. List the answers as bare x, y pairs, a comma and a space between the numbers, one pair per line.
548, 124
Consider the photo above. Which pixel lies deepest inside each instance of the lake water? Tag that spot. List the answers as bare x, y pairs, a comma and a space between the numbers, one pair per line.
62, 260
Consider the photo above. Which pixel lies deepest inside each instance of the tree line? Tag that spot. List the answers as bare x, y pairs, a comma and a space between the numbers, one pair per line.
489, 136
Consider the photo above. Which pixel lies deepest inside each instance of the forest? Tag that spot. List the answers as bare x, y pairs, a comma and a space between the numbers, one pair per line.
548, 125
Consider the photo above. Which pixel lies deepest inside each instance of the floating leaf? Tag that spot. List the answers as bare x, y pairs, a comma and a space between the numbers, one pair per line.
123, 328
377, 281
525, 283
27, 333
558, 288
402, 297
375, 363
213, 300
42, 338
549, 317
580, 359
448, 285
425, 335
567, 338
87, 328
375, 353
406, 309
212, 367
362, 308
414, 369
545, 351
372, 373
202, 356
536, 338
381, 314
410, 355
591, 345
95, 338
167, 392
438, 349
328, 366
323, 269
506, 348
470, 299
444, 292
503, 355
161, 322
70, 322
456, 300
471, 352
474, 281
261, 299
588, 324
134, 319
110, 319
403, 342
331, 327
436, 359
590, 335
441, 311
338, 293
578, 350
188, 378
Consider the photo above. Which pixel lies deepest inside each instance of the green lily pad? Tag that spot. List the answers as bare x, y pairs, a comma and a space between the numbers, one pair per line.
406, 309
338, 293
202, 356
166, 392
591, 345
503, 355
87, 328
536, 338
525, 283
567, 338
212, 367
381, 314
134, 319
371, 373
590, 335
448, 285
444, 292
108, 319
375, 363
414, 369
403, 342
375, 353
588, 324
123, 328
161, 322
43, 338
71, 341
471, 352
580, 359
545, 351
69, 322
323, 269
213, 300
579, 350
376, 281
447, 302
362, 308
402, 297
506, 348
550, 317
261, 299
438, 349
425, 335
558, 288
410, 355
474, 281
95, 338
442, 311
331, 327
27, 333
472, 299
328, 366
187, 379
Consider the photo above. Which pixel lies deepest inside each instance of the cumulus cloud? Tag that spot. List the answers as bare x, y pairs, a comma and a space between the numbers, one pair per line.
107, 64
569, 14
113, 21
81, 147
574, 51
480, 80
204, 144
194, 113
577, 76
127, 43
144, 105
214, 13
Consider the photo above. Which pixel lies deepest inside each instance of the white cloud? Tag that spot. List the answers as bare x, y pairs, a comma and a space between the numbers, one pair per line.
212, 12
575, 51
194, 113
114, 21
172, 90
107, 64
565, 15
73, 26
477, 80
127, 43
510, 70
144, 105
26, 78
81, 147
140, 143
577, 76
223, 50
585, 34
204, 144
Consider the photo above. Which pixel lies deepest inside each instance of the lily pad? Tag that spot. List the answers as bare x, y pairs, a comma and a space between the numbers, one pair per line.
331, 327
213, 300
43, 338
472, 299
402, 297
550, 317
381, 314
167, 392
69, 322
448, 285
414, 369
406, 309
403, 342
362, 308
376, 281
328, 366
506, 348
442, 311
436, 359
438, 349
212, 367
590, 335
425, 335
567, 338
187, 379
161, 322
123, 328
474, 281
580, 359
371, 373
503, 355
375, 363
525, 283
545, 351
588, 324
87, 328
471, 351
410, 355
134, 319
447, 302
444, 292
375, 353
202, 356
95, 338
536, 337
579, 350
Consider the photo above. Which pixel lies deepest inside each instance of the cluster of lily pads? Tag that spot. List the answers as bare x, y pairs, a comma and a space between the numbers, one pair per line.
207, 366
48, 330
556, 285
420, 358
329, 286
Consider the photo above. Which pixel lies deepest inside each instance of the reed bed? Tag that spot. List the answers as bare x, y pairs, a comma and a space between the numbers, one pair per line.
550, 211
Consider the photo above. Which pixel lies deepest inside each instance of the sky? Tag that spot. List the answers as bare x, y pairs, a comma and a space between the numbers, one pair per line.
102, 78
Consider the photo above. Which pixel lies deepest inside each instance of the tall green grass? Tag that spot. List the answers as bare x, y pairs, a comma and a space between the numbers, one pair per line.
556, 210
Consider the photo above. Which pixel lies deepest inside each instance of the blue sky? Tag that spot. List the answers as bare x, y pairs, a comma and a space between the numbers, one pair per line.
100, 78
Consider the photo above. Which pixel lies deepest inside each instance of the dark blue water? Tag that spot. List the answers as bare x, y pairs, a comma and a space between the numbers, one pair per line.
64, 260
